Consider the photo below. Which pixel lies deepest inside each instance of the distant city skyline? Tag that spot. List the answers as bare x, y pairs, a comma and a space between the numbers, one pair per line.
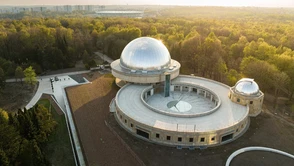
257, 3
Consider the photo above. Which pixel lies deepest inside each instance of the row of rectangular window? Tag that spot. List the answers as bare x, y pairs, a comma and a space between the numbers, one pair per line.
238, 100
186, 88
202, 139
179, 138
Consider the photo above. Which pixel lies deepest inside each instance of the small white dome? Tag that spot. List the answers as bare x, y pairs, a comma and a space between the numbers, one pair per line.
247, 86
145, 53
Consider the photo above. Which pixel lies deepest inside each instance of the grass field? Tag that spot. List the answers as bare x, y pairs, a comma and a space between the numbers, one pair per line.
58, 149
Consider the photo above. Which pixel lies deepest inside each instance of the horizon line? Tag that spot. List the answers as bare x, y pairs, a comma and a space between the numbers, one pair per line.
11, 5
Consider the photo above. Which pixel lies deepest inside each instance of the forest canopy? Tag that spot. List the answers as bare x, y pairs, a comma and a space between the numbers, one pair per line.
224, 44
24, 135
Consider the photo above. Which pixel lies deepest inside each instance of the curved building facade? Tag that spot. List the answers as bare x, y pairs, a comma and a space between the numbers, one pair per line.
161, 106
246, 92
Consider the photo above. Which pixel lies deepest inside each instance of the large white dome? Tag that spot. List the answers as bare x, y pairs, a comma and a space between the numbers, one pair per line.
247, 86
145, 53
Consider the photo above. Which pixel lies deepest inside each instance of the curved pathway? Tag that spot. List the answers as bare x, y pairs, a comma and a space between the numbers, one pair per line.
45, 87
256, 148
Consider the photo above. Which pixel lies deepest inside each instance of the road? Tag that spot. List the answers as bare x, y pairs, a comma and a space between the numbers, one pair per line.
104, 57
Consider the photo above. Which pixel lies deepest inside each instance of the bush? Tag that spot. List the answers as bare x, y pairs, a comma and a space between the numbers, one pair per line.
92, 63
87, 66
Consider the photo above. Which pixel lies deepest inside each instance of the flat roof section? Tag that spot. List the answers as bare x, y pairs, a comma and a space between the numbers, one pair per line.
128, 99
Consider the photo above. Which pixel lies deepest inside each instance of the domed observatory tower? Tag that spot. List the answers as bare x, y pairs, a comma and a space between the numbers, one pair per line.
145, 60
246, 92
161, 106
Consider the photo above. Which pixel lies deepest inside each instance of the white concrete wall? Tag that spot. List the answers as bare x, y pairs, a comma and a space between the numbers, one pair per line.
143, 78
131, 125
254, 108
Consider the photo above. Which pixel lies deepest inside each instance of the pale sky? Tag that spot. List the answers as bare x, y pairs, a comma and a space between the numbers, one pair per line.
259, 3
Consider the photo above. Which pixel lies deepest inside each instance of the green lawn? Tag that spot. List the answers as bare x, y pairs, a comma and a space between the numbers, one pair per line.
58, 149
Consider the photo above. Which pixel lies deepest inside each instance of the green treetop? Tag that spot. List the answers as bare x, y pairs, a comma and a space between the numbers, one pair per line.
30, 76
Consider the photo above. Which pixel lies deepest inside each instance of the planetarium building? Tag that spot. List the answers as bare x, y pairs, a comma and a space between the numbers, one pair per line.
157, 104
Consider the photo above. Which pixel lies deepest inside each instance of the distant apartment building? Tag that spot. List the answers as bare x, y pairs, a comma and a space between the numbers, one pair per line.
116, 13
89, 8
78, 7
58, 8
68, 8
23, 9
38, 9
65, 8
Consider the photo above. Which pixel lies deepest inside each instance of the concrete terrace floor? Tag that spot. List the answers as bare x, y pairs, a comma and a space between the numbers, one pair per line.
196, 103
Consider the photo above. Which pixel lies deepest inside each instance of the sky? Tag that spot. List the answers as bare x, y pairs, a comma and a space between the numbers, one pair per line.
258, 3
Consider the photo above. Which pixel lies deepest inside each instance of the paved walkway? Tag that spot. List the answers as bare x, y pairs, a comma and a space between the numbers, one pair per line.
256, 148
104, 57
45, 87
53, 75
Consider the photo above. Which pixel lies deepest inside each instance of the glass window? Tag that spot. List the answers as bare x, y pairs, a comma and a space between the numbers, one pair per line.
157, 135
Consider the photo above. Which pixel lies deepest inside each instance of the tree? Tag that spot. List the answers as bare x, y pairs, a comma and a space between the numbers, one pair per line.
2, 78
189, 49
268, 76
232, 77
4, 161
212, 52
3, 116
19, 73
10, 140
152, 30
30, 76
86, 57
23, 135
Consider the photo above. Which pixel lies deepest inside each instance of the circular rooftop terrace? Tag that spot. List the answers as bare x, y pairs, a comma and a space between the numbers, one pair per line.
227, 114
